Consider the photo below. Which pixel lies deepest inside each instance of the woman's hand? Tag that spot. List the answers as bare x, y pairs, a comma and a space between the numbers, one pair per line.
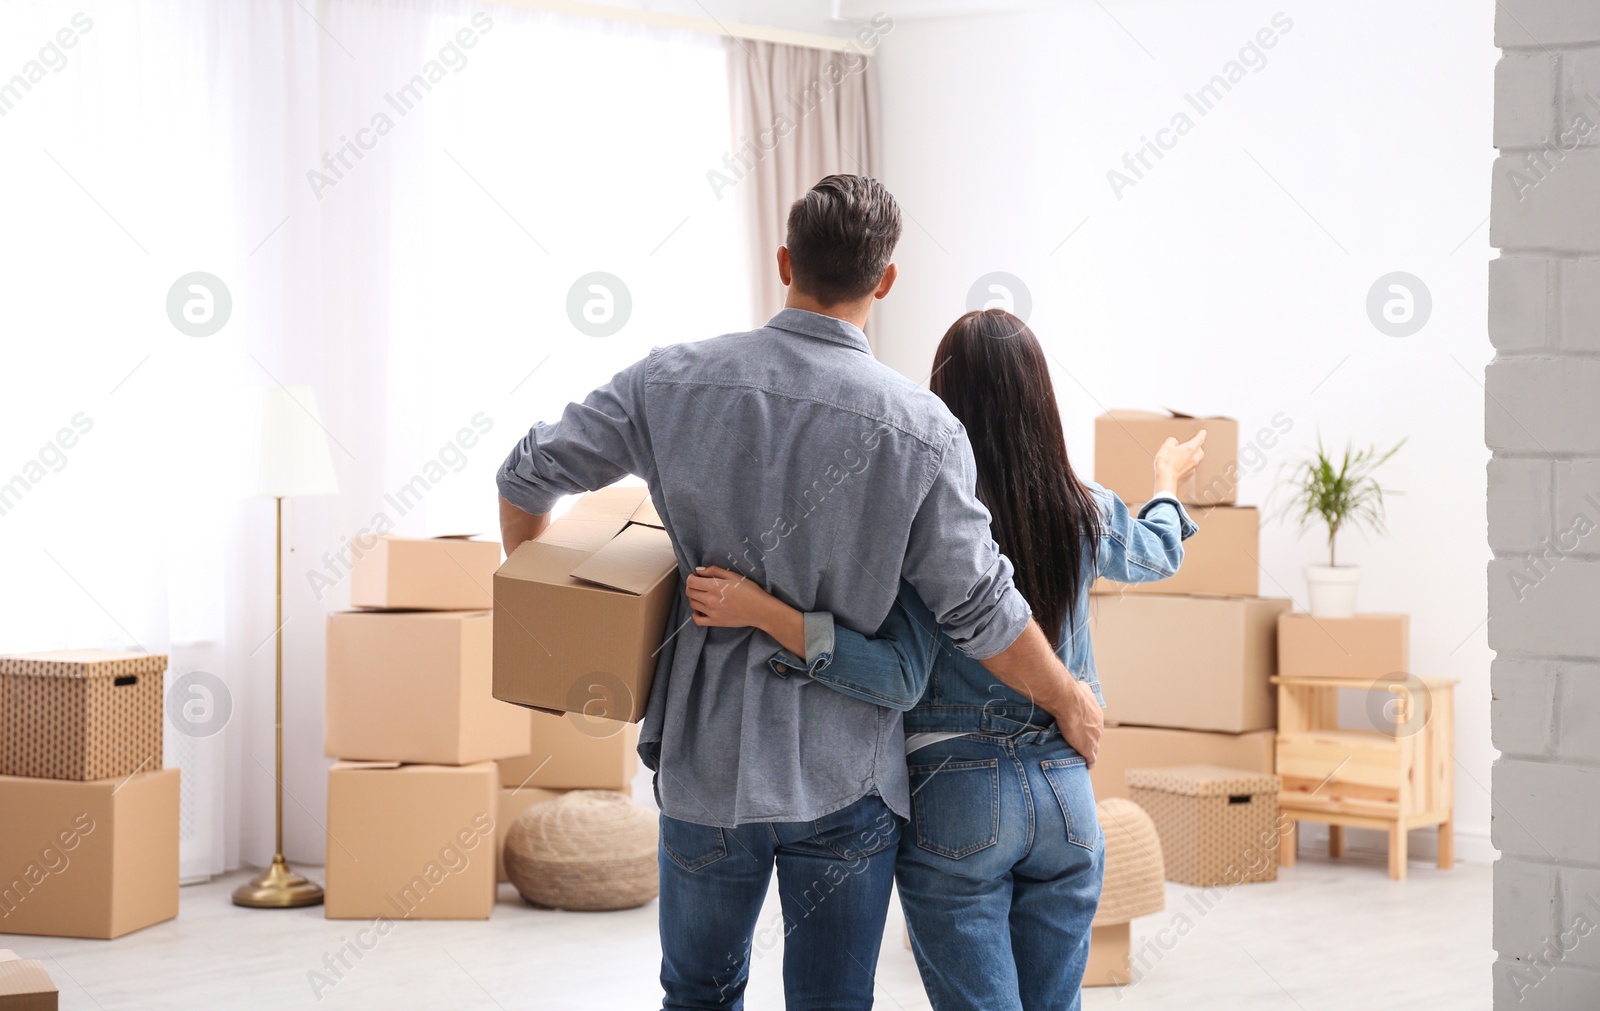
1176, 462
724, 599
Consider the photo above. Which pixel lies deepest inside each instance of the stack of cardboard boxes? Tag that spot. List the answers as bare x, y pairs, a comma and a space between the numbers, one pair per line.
580, 613
1186, 662
413, 800
88, 817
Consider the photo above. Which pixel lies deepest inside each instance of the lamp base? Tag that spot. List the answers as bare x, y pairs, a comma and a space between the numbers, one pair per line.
278, 888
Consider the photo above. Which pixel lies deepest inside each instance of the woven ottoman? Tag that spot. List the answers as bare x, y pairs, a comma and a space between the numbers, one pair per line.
1218, 826
588, 849
1134, 886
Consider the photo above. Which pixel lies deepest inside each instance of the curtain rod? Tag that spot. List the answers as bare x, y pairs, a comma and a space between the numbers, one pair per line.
710, 26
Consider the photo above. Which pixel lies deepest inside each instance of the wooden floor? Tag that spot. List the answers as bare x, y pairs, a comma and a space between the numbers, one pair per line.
1324, 936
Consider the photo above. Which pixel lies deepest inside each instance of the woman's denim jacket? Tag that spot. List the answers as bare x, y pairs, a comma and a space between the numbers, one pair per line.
909, 664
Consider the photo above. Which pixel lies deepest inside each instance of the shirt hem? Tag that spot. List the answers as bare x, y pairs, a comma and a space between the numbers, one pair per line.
900, 808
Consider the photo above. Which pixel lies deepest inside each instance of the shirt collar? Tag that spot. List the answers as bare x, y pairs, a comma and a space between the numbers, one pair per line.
815, 324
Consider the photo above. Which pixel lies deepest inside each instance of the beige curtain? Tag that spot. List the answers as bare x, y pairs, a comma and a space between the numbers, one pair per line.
798, 115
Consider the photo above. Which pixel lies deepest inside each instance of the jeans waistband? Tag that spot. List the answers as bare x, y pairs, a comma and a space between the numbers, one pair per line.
1037, 736
1019, 726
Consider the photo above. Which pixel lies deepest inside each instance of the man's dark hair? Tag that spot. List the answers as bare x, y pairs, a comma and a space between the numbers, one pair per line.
842, 234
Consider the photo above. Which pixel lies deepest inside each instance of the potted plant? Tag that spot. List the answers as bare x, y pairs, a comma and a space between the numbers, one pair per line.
1342, 494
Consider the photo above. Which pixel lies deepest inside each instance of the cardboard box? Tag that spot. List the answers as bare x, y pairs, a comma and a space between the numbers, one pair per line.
25, 985
580, 610
411, 841
1110, 948
512, 803
1125, 444
1123, 748
1194, 663
81, 715
576, 753
1219, 560
1367, 646
416, 686
95, 860
426, 573
1218, 826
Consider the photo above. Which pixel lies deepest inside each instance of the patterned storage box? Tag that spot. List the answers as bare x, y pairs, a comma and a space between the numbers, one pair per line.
1218, 826
80, 714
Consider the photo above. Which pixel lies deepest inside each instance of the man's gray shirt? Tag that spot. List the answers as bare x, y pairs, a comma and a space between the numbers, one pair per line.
791, 455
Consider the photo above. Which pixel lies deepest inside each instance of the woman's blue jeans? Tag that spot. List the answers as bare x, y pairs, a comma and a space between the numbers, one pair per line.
1000, 870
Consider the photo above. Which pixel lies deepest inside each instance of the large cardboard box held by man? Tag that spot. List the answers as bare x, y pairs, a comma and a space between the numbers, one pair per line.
411, 841
1124, 747
415, 686
580, 610
1196, 663
95, 860
1219, 560
1125, 444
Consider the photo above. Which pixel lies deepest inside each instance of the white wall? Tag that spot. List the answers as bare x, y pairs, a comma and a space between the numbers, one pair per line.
1233, 277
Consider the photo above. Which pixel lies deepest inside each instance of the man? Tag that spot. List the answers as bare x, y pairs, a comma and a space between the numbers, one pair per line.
792, 456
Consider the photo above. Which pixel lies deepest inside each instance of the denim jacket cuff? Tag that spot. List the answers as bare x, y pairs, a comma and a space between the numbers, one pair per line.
1186, 526
819, 648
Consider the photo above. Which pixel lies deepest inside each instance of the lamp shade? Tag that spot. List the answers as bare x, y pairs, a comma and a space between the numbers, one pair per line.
292, 457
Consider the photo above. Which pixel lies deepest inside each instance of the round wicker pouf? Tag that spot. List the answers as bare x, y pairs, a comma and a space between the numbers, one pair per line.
588, 849
1135, 875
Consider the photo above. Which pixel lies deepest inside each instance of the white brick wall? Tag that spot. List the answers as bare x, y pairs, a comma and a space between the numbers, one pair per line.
1545, 404
1523, 293
1536, 24
1520, 510
1524, 100
1579, 299
1547, 198
1542, 420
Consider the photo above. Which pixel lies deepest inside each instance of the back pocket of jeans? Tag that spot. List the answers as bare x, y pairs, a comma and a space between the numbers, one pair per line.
1069, 781
956, 806
692, 846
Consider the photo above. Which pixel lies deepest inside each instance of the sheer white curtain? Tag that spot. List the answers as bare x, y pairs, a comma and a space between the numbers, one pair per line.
120, 501
401, 199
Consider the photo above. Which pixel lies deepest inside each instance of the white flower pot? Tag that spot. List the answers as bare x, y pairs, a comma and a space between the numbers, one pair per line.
1333, 590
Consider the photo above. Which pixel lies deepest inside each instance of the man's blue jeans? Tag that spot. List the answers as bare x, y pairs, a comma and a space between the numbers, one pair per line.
834, 878
1000, 872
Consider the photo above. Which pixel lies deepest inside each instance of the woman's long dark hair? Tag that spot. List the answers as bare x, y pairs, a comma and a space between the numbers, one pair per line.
991, 372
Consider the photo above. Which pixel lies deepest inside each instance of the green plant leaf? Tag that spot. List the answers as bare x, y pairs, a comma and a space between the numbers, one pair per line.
1340, 494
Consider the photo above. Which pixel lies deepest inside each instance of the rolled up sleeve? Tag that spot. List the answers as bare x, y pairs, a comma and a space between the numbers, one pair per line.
954, 564
819, 648
1143, 548
594, 444
1186, 526
888, 668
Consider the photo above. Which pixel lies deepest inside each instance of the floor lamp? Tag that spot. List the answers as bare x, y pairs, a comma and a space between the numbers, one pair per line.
294, 462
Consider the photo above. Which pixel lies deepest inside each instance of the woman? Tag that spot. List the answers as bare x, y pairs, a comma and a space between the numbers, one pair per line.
999, 872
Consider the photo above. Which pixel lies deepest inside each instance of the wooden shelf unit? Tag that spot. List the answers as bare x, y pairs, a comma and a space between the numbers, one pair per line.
1393, 781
